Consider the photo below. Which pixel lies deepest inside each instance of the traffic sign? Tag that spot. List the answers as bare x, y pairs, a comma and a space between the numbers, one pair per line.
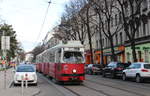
5, 42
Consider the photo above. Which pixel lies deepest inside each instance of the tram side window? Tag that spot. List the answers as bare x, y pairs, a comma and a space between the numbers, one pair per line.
51, 57
58, 56
73, 57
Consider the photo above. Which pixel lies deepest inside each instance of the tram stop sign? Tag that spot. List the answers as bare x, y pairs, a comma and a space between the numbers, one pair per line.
5, 42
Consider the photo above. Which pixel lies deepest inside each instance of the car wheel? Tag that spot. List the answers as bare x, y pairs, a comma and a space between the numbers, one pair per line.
15, 84
138, 78
103, 74
113, 75
35, 84
124, 78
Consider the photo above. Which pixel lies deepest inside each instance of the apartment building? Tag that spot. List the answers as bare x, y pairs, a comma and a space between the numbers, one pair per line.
121, 42
142, 36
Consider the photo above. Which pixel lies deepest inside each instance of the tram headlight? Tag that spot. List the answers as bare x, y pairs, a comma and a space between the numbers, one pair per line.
74, 70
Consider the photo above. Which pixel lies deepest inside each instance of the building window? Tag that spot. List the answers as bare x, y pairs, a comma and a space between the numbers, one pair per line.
148, 4
103, 42
128, 56
144, 29
146, 55
137, 33
112, 22
97, 44
121, 38
145, 5
106, 42
120, 18
116, 19
148, 31
116, 39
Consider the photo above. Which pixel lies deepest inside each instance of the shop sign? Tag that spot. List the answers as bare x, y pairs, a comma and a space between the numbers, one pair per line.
145, 48
137, 48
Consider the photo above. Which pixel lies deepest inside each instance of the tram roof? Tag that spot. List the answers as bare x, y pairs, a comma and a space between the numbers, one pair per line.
69, 44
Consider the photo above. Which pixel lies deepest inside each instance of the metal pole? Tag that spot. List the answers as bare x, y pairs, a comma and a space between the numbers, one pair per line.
4, 65
4, 78
22, 86
26, 80
26, 83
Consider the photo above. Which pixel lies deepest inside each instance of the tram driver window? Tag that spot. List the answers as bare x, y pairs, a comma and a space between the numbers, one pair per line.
73, 57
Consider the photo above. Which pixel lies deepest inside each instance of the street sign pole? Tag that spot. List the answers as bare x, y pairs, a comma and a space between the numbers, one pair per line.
5, 45
4, 54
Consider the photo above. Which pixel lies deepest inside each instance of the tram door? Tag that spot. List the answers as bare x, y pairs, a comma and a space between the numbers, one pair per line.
58, 63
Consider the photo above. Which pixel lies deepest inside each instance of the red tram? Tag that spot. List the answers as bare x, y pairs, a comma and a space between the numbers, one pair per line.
63, 62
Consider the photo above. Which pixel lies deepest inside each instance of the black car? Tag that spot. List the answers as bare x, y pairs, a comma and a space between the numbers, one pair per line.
114, 69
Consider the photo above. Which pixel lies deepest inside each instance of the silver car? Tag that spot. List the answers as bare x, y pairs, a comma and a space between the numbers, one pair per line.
138, 71
25, 72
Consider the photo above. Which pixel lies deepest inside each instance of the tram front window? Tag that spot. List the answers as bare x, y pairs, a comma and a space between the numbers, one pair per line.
73, 57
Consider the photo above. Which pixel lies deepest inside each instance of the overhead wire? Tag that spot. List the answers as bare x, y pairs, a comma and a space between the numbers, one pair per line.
43, 22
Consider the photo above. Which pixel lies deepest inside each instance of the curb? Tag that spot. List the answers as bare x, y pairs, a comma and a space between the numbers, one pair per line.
36, 93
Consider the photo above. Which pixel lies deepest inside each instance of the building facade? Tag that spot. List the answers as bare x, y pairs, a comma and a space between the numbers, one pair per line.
122, 44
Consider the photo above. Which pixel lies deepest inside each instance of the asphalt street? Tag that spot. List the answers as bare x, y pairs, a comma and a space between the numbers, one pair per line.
94, 85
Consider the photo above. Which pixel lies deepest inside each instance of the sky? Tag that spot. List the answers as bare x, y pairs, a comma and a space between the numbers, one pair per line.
27, 16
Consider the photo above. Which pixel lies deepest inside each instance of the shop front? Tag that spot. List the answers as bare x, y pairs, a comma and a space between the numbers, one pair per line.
142, 53
87, 57
119, 52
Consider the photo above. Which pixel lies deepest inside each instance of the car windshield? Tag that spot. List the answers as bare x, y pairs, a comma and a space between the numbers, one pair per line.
96, 65
147, 66
25, 69
122, 65
73, 57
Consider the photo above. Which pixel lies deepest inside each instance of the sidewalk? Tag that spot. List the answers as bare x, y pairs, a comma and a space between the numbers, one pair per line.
14, 91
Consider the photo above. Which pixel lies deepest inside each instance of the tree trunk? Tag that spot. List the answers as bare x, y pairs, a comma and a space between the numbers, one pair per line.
101, 47
113, 56
133, 51
90, 43
89, 35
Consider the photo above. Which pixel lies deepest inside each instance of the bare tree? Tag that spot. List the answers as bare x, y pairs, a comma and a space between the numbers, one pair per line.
86, 15
131, 14
37, 50
71, 26
76, 24
106, 11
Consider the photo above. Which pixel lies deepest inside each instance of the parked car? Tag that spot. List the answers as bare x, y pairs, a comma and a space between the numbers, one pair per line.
25, 71
138, 71
93, 69
114, 69
86, 68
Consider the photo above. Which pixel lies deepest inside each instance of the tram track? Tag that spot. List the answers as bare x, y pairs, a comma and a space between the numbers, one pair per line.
138, 94
98, 91
67, 87
73, 88
84, 86
58, 87
71, 91
126, 83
